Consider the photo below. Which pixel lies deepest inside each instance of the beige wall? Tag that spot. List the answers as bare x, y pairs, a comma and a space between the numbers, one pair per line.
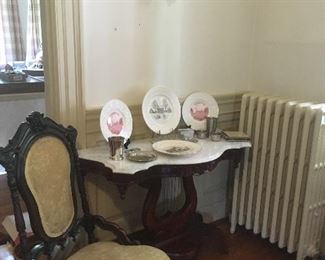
13, 111
290, 48
205, 45
221, 47
130, 46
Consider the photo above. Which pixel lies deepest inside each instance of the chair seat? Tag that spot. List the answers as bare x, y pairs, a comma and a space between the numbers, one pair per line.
114, 251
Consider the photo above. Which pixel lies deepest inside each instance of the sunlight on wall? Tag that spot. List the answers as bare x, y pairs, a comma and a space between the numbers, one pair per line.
2, 170
184, 45
290, 49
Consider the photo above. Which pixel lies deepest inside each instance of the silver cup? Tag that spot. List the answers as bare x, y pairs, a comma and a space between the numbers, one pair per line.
211, 125
116, 146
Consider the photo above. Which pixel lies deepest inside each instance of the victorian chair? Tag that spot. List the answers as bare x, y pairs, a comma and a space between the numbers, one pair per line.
43, 170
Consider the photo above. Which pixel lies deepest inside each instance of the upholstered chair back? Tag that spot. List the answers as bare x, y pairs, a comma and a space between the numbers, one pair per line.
41, 163
48, 178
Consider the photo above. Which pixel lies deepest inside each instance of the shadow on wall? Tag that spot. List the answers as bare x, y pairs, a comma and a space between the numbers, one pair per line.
104, 199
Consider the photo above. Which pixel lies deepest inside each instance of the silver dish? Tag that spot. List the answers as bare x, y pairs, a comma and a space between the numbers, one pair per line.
141, 156
186, 133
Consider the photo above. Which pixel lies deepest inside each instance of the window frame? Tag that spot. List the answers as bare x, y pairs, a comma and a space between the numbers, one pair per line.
31, 85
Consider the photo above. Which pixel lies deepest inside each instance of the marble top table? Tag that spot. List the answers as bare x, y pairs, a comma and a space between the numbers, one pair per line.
210, 151
173, 232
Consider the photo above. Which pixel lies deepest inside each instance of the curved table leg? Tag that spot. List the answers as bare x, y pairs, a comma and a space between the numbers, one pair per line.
171, 223
175, 232
181, 233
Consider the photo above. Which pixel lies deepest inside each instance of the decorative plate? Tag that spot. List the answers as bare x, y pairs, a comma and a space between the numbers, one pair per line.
197, 107
141, 156
176, 147
116, 120
161, 110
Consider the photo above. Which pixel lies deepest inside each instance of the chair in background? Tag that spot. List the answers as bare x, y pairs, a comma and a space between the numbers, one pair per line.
43, 169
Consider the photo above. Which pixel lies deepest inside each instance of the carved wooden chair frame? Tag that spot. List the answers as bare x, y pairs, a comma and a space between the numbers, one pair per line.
12, 157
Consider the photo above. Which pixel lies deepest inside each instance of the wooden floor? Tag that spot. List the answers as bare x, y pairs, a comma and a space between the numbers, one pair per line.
243, 245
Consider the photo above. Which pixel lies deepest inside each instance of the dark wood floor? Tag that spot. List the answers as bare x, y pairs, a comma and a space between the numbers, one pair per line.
243, 245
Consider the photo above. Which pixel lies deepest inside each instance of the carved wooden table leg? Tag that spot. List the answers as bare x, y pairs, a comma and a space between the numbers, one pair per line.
178, 233
172, 231
181, 233
171, 223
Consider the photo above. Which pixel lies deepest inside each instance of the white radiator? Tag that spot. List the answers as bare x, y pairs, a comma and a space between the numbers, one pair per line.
279, 191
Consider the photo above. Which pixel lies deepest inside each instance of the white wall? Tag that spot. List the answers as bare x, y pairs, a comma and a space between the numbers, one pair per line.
220, 46
205, 45
14, 110
290, 49
118, 50
217, 46
131, 46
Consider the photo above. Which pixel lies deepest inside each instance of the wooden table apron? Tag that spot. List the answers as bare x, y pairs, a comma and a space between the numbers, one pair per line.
172, 223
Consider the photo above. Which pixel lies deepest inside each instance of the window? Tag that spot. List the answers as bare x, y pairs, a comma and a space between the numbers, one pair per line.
20, 30
2, 45
20, 46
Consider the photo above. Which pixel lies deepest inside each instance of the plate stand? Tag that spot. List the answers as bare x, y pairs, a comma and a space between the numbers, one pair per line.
155, 137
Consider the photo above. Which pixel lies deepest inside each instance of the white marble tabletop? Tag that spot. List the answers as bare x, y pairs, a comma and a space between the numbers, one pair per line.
210, 151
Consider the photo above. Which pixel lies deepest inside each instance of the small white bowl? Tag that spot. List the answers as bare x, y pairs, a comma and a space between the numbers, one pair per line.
186, 133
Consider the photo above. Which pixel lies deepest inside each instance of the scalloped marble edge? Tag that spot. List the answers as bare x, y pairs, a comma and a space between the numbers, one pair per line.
210, 151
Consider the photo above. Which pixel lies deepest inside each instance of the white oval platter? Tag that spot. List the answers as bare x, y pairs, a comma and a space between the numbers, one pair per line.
161, 110
176, 147
197, 107
116, 120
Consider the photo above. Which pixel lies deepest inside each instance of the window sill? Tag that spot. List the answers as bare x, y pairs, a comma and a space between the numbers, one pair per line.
31, 85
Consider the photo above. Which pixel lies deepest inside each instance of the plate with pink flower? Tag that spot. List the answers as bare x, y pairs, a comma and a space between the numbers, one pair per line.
116, 120
197, 107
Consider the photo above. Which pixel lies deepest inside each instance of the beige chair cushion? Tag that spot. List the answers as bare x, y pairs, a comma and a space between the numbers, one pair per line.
114, 251
47, 172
